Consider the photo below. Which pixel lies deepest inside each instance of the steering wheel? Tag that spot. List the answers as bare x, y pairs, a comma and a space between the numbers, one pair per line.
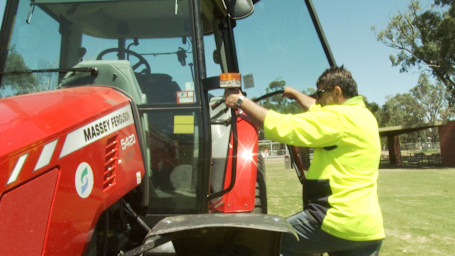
142, 60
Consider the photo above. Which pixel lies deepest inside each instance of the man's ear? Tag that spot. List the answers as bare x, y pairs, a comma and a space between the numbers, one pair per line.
338, 91
339, 95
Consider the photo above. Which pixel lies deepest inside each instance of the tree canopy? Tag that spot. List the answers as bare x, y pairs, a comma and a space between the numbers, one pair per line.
425, 38
17, 83
424, 103
280, 104
22, 83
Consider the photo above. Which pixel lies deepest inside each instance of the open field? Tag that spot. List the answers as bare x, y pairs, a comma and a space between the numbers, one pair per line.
418, 207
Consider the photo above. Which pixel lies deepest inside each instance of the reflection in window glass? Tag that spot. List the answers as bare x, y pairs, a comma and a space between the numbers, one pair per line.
62, 34
32, 46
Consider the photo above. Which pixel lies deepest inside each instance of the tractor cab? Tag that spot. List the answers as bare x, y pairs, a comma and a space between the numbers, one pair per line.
147, 49
171, 46
166, 56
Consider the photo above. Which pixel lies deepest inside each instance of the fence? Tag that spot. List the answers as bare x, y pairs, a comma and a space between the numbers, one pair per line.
275, 156
414, 154
412, 159
273, 152
421, 147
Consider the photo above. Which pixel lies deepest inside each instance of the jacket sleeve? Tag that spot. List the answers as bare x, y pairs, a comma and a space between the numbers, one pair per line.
319, 127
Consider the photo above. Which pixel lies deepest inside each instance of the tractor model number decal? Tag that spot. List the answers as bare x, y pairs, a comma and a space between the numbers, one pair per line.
97, 129
83, 180
128, 141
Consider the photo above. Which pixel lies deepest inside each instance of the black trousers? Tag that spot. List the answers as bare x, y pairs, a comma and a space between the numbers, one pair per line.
313, 240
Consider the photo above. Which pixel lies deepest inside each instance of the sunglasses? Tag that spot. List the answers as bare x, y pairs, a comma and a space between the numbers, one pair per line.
319, 93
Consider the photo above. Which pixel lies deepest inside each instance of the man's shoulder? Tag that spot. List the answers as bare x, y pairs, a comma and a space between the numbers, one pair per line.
353, 112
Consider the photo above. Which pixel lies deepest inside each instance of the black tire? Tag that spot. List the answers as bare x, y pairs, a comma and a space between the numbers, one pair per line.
260, 202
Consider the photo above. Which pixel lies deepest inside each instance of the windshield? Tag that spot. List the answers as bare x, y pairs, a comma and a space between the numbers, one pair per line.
277, 43
155, 36
49, 37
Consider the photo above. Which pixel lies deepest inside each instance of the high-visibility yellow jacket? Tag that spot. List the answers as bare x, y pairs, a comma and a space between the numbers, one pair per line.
341, 184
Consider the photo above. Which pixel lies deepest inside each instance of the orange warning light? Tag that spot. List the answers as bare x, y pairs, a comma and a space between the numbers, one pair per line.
230, 80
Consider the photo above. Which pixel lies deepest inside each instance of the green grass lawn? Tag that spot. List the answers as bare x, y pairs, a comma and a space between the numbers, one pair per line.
418, 207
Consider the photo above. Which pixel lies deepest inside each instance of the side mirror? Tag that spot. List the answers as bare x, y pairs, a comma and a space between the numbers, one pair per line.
239, 9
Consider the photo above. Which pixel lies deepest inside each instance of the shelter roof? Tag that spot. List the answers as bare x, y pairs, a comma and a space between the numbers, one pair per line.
400, 129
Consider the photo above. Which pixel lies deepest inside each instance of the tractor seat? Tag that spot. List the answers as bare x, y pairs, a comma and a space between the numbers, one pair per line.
159, 88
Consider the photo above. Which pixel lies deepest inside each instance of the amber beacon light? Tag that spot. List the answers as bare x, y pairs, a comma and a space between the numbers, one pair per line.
230, 80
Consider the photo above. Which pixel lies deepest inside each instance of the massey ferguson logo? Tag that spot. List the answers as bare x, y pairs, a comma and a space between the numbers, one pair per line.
83, 180
97, 129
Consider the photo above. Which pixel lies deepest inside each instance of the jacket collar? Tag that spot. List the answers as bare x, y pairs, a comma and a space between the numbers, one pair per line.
355, 101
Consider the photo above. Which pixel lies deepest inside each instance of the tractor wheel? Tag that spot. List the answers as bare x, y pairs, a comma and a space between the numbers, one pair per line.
260, 204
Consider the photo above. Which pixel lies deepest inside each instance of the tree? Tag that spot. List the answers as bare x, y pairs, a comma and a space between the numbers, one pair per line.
374, 108
425, 103
401, 109
280, 104
17, 83
276, 102
425, 38
432, 103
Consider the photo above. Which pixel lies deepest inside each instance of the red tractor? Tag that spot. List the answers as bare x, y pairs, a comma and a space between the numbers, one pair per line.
113, 139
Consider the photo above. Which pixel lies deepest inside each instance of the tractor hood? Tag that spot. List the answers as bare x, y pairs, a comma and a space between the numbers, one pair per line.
30, 119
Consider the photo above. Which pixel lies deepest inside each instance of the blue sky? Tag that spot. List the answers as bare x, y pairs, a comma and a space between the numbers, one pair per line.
347, 26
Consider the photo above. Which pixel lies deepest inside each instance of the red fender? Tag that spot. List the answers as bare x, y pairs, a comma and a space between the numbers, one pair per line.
242, 197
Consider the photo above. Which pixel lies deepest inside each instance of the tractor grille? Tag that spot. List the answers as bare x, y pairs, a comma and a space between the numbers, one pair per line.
111, 163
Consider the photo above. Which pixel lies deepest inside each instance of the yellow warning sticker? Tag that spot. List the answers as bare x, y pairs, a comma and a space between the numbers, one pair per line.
184, 124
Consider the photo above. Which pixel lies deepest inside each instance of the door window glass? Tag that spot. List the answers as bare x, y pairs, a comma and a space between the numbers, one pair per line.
174, 149
279, 42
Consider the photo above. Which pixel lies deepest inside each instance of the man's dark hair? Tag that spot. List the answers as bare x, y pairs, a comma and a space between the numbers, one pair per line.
339, 76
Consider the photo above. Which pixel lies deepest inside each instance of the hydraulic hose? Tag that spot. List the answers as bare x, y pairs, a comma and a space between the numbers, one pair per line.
139, 220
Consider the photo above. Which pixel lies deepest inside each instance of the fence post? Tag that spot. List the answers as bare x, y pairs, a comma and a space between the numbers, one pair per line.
287, 162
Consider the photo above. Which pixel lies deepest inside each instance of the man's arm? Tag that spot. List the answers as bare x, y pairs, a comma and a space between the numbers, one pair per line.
306, 130
255, 112
304, 100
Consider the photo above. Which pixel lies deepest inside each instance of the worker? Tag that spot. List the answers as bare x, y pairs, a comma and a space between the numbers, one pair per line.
341, 213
